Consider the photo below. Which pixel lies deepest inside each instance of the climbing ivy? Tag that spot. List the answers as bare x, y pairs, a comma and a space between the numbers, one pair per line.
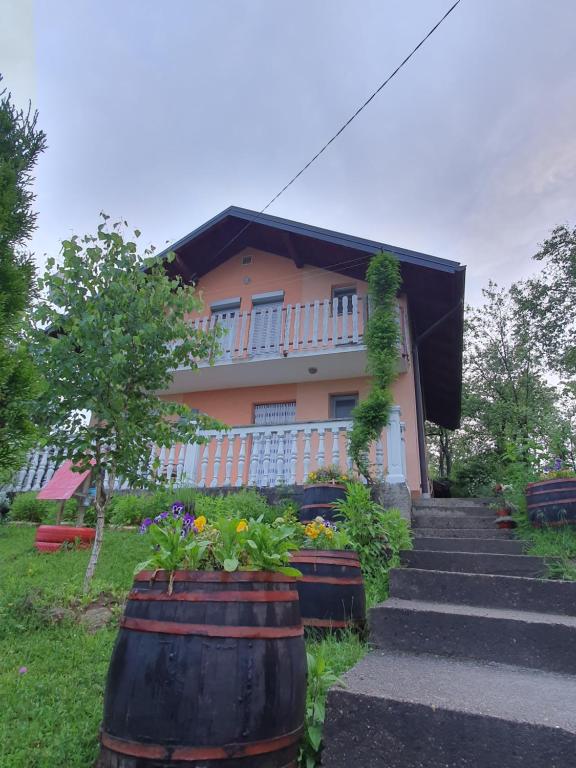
382, 335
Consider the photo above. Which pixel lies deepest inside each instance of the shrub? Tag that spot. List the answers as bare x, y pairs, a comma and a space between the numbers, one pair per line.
26, 507
377, 534
131, 509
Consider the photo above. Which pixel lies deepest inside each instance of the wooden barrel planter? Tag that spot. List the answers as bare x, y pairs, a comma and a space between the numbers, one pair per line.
49, 538
552, 502
318, 500
212, 675
331, 589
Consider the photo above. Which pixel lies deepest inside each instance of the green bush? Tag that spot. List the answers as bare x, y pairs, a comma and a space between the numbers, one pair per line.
26, 507
377, 534
131, 509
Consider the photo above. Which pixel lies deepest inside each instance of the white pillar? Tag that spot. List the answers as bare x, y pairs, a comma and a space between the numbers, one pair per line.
394, 444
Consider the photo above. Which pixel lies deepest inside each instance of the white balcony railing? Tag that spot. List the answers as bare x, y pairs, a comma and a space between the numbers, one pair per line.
257, 456
267, 456
288, 328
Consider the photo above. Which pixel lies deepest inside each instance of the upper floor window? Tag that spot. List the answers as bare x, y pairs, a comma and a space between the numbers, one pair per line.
343, 295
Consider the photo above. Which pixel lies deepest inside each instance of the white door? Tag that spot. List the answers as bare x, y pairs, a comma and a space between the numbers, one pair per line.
226, 319
272, 414
265, 328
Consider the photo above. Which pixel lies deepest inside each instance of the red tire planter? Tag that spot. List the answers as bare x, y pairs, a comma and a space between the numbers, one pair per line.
331, 589
506, 521
552, 502
213, 674
50, 538
318, 500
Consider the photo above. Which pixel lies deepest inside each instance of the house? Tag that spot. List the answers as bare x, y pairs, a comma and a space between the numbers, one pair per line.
291, 300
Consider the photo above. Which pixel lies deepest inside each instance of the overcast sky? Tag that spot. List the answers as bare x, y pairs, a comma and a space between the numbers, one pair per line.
165, 112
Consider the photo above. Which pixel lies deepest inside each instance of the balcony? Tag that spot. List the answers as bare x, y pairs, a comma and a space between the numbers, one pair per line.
253, 456
267, 456
294, 337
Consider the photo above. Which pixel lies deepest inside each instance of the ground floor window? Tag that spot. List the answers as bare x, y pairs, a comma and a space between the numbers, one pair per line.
341, 406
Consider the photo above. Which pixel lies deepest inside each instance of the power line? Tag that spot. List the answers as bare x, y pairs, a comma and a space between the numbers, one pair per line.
341, 129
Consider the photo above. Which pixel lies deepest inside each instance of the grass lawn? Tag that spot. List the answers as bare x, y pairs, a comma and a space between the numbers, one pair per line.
50, 715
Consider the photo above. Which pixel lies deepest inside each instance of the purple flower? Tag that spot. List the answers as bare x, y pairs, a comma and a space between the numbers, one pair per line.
177, 508
557, 464
145, 524
22, 670
160, 517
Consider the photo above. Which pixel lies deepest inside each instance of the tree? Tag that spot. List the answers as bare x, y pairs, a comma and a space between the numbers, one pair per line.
371, 415
21, 142
549, 298
108, 334
507, 398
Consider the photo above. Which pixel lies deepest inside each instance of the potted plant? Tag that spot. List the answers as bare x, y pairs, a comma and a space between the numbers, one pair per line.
503, 508
331, 587
209, 663
322, 488
551, 500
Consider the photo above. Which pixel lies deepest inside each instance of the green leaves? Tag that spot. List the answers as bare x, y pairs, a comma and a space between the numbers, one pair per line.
382, 334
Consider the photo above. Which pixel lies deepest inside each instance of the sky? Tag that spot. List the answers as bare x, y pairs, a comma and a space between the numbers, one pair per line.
165, 113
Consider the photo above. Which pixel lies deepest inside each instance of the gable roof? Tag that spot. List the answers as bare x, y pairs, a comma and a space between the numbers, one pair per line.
434, 287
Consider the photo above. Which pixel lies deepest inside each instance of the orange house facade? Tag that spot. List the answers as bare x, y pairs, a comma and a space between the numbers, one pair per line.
291, 304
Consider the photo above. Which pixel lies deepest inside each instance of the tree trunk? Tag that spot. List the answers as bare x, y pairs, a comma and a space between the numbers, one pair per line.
100, 502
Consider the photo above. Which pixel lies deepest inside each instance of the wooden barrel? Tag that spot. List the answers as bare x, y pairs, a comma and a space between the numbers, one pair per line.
552, 502
212, 675
331, 589
318, 499
49, 538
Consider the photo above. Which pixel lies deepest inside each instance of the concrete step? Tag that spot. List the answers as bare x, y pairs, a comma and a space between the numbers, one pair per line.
451, 503
465, 533
475, 562
521, 638
495, 546
441, 511
405, 711
487, 590
432, 520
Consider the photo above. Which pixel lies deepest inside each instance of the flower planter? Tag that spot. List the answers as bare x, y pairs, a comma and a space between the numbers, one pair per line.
318, 499
331, 589
212, 674
552, 502
504, 519
49, 538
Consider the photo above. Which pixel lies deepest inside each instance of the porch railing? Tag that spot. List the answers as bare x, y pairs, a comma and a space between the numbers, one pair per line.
256, 456
265, 456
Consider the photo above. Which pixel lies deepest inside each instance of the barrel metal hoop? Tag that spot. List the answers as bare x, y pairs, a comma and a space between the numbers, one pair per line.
246, 596
219, 577
558, 502
330, 580
326, 561
209, 630
161, 752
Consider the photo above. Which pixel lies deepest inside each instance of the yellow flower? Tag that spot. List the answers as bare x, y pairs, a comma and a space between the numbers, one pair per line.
329, 532
242, 526
200, 523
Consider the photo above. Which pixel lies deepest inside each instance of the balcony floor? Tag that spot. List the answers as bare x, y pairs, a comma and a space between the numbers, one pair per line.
343, 363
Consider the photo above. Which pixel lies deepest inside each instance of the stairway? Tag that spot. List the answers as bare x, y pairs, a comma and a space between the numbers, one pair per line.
474, 660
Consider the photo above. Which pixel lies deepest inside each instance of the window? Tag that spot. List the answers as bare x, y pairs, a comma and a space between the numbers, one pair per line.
247, 258
341, 406
343, 296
